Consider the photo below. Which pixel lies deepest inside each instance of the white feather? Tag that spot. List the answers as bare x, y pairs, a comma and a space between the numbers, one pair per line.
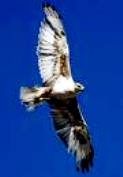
63, 84
49, 42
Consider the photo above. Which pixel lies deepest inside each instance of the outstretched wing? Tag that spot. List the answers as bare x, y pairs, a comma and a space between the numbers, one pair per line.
52, 50
72, 129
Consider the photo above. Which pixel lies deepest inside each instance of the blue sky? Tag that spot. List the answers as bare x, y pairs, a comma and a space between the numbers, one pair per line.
28, 143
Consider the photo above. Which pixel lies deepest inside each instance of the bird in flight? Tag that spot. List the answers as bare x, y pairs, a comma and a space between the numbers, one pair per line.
59, 89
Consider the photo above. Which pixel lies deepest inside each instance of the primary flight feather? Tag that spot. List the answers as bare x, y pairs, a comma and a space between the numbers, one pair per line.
59, 89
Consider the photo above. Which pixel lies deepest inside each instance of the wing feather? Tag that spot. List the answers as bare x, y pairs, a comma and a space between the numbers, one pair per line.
72, 129
52, 50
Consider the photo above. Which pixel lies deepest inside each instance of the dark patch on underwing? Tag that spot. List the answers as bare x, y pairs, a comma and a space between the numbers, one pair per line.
63, 66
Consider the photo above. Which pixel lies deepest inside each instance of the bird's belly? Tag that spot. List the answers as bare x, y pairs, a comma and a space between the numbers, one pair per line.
63, 85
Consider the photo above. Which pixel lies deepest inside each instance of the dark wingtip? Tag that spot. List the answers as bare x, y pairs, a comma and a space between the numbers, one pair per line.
44, 4
86, 163
47, 4
84, 166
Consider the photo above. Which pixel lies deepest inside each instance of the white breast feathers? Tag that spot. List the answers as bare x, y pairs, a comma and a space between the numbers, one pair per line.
63, 84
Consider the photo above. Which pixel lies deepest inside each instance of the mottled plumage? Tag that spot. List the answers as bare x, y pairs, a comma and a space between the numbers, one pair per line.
59, 89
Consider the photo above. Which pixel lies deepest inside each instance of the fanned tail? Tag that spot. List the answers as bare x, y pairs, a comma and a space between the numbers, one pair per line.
34, 96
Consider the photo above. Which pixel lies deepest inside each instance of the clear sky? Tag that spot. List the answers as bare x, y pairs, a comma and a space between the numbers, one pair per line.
29, 146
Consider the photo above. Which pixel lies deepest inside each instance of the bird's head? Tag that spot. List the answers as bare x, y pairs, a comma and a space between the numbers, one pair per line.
79, 87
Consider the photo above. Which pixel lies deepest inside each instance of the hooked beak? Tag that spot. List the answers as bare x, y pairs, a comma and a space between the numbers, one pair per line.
82, 88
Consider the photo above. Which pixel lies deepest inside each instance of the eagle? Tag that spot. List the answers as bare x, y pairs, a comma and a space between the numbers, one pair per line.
59, 89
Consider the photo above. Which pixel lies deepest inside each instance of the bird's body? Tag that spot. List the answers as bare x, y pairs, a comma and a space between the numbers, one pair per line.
63, 85
59, 89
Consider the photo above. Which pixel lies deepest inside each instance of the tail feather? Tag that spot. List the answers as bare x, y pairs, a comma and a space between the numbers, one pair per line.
32, 97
